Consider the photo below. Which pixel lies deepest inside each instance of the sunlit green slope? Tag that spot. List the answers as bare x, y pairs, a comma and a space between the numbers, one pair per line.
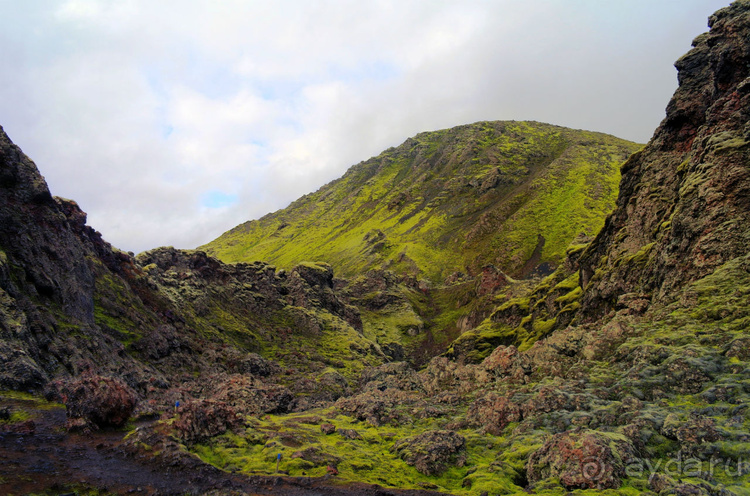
514, 194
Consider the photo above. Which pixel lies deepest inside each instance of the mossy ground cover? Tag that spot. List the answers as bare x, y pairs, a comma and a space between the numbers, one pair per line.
116, 309
37, 401
527, 311
368, 459
336, 345
691, 363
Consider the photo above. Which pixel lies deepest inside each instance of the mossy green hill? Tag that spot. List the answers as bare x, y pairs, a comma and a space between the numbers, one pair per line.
513, 194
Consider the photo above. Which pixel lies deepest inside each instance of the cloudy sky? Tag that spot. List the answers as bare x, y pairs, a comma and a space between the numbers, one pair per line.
171, 121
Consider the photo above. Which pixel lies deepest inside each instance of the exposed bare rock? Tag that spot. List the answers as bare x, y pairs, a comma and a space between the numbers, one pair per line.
491, 280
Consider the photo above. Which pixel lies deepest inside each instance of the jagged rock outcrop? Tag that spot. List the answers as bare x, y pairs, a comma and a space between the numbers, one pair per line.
49, 261
684, 200
70, 303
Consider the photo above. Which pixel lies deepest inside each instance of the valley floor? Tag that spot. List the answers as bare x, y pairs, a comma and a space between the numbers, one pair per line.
38, 456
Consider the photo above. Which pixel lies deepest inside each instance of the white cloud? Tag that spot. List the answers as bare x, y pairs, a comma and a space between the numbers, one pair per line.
173, 121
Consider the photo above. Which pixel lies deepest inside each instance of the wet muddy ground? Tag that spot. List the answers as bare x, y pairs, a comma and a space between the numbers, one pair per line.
38, 456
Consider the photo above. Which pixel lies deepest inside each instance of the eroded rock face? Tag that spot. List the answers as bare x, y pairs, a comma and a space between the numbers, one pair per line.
42, 262
684, 198
491, 280
47, 258
19, 371
311, 284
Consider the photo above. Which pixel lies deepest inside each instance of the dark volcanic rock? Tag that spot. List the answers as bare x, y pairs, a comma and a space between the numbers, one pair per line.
311, 284
19, 371
46, 256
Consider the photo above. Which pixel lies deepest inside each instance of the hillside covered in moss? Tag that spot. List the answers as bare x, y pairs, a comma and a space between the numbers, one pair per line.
512, 194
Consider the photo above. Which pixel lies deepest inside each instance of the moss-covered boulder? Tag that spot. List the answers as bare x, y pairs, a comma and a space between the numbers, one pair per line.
250, 397
254, 364
17, 369
507, 363
433, 451
494, 412
398, 375
96, 401
203, 419
582, 459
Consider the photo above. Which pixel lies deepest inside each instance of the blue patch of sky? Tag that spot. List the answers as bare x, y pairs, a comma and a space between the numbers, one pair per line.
218, 199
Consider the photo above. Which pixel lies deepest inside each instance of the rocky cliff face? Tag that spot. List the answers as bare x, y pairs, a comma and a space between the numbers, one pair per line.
72, 304
684, 200
47, 273
681, 212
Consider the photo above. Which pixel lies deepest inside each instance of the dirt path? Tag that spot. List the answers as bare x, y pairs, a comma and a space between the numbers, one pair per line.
40, 457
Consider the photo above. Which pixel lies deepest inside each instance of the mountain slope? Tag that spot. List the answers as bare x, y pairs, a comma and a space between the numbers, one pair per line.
513, 194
